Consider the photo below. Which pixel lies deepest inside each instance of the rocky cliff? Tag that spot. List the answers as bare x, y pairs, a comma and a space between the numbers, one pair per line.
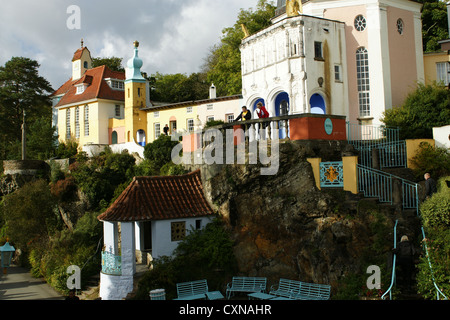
285, 227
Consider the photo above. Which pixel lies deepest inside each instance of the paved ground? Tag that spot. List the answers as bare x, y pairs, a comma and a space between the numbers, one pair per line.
18, 284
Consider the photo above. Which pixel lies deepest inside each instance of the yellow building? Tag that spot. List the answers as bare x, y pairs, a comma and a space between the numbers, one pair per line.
437, 65
99, 107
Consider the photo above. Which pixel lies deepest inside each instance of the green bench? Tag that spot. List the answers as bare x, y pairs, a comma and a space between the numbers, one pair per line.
196, 290
297, 290
286, 288
246, 284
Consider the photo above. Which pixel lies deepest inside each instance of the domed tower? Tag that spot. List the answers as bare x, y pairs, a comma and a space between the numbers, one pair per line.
135, 100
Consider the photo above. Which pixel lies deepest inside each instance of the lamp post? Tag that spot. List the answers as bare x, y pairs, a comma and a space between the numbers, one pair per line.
6, 254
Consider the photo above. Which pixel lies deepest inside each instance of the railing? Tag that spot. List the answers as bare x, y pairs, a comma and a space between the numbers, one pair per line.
438, 291
386, 141
375, 184
379, 184
111, 264
331, 175
394, 260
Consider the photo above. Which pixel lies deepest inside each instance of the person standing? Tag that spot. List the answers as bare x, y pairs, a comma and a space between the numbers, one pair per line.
430, 186
405, 254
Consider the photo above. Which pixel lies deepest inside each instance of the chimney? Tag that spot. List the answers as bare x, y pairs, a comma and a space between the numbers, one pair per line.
212, 92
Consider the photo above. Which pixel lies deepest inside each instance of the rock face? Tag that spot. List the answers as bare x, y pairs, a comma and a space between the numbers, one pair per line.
284, 227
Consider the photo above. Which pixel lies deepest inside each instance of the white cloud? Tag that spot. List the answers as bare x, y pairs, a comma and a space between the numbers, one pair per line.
175, 35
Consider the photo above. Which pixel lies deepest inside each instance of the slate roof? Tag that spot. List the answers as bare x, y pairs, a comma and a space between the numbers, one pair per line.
97, 89
160, 198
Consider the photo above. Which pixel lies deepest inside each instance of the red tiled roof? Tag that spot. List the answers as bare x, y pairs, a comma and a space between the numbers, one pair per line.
160, 198
77, 55
97, 89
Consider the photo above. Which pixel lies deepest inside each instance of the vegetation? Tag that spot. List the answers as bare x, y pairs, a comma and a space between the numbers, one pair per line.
433, 160
23, 90
434, 24
203, 254
436, 220
426, 107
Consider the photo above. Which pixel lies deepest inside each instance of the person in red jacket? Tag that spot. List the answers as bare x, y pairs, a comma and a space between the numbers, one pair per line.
262, 113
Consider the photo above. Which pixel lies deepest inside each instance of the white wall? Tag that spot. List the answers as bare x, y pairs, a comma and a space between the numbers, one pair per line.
442, 136
161, 235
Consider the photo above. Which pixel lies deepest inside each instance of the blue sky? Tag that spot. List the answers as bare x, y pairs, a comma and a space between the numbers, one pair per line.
175, 35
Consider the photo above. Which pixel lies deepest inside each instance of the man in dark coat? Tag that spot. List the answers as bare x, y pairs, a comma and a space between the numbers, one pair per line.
430, 186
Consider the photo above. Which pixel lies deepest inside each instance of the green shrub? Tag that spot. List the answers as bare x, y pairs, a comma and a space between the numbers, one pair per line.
435, 161
435, 211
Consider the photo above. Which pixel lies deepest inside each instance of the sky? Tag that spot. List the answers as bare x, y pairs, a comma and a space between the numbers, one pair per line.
175, 36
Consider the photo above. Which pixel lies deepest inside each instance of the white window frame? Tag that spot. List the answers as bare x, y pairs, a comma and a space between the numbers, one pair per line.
86, 120
229, 117
77, 122
68, 129
363, 81
190, 125
189, 110
443, 72
157, 128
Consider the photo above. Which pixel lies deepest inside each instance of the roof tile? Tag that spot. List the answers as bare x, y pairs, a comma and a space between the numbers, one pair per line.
160, 198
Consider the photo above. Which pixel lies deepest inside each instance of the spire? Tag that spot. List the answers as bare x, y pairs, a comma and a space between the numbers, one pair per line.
82, 43
134, 66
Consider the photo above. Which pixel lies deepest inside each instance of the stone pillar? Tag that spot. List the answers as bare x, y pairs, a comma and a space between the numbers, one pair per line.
128, 249
350, 167
315, 164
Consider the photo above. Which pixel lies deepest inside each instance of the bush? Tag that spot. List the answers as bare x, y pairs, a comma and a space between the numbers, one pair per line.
436, 210
435, 161
159, 152
426, 107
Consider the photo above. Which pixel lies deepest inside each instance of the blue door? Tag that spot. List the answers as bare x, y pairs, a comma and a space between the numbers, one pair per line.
282, 109
317, 104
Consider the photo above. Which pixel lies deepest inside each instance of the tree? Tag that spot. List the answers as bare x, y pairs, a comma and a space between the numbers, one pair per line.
223, 64
22, 89
434, 24
159, 152
426, 107
172, 88
113, 63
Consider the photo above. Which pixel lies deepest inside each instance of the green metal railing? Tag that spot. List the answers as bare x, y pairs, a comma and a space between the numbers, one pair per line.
438, 291
394, 260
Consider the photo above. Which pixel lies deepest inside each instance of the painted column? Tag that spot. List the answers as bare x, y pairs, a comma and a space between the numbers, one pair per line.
379, 61
350, 174
128, 249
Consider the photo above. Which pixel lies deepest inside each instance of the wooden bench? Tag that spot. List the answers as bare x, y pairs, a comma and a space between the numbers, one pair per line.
246, 284
286, 288
196, 290
312, 291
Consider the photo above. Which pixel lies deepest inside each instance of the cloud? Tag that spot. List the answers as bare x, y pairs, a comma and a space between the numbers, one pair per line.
175, 36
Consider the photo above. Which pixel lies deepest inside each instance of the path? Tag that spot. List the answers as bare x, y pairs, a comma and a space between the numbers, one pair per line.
18, 284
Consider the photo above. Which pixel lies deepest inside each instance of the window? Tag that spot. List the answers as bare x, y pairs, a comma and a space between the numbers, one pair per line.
77, 122
400, 26
360, 23
189, 110
86, 65
139, 92
68, 133
157, 130
318, 50
118, 111
80, 89
362, 70
443, 72
198, 224
86, 120
230, 118
190, 125
116, 84
156, 114
178, 231
209, 118
210, 107
337, 73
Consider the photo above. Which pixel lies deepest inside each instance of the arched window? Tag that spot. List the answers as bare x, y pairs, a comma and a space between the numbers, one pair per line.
362, 71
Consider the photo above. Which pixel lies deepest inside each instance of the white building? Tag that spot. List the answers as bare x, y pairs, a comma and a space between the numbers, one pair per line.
149, 218
342, 57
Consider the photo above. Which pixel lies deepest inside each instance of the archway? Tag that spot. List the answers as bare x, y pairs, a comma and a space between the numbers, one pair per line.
114, 138
141, 138
282, 108
317, 103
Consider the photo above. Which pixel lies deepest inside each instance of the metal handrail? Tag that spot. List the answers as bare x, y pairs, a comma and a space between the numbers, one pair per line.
438, 291
393, 266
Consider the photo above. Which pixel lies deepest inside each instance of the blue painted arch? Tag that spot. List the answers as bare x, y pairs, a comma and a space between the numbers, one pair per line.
318, 105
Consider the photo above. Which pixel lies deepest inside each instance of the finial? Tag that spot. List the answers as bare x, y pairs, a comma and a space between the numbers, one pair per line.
136, 44
82, 43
